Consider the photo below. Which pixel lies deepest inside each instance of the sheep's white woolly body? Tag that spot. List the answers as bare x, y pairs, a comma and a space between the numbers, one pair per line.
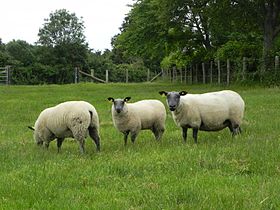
209, 111
141, 115
68, 119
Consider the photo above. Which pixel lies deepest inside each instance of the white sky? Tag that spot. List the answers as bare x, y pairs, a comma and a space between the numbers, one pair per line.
21, 19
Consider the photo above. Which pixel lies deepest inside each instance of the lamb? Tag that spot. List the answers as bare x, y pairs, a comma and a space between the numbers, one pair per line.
69, 119
212, 111
141, 115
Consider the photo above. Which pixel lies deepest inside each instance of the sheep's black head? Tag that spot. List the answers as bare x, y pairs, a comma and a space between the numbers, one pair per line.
119, 104
173, 98
38, 140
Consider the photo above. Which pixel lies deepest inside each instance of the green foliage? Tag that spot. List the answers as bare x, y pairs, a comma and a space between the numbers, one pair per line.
143, 36
63, 44
137, 72
220, 172
178, 59
202, 29
240, 46
21, 52
62, 27
4, 57
156, 32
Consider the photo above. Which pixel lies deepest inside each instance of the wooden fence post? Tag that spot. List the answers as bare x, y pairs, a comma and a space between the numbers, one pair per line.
244, 69
219, 72
228, 71
276, 64
203, 73
211, 72
148, 75
181, 72
126, 76
190, 78
185, 79
76, 72
174, 74
92, 74
196, 72
107, 76
8, 75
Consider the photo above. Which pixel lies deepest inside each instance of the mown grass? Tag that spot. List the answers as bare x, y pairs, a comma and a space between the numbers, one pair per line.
218, 173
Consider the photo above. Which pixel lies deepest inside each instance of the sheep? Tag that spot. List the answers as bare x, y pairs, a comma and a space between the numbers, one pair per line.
69, 119
212, 111
141, 115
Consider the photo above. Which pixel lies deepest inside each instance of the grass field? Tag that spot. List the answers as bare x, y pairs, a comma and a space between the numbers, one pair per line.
219, 173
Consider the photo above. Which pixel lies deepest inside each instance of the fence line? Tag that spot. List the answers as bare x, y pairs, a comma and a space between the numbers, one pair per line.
5, 75
219, 72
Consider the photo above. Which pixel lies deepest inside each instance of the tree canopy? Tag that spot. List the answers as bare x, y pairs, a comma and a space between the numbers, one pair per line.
183, 31
154, 34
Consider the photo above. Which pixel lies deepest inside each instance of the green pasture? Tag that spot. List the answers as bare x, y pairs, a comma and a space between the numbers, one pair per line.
220, 172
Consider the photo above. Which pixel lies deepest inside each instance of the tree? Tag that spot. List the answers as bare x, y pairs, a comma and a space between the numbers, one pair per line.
62, 27
62, 37
21, 52
142, 35
4, 57
271, 26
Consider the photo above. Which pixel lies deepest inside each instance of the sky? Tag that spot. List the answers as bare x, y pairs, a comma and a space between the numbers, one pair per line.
21, 19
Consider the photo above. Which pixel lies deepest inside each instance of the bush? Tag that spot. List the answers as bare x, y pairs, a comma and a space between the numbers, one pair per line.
137, 72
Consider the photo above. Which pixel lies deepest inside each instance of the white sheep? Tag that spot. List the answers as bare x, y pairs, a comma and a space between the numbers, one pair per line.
69, 119
141, 115
212, 111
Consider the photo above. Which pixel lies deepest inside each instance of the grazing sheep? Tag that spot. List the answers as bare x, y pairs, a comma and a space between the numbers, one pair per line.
142, 115
69, 119
212, 111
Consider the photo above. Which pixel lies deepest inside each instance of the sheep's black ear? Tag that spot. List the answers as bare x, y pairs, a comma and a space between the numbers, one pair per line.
126, 99
163, 93
111, 99
31, 128
183, 93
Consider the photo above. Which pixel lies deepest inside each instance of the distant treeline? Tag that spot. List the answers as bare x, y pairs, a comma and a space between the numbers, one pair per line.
155, 35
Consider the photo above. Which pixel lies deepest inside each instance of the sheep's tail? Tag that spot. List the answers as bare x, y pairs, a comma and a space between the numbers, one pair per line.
94, 121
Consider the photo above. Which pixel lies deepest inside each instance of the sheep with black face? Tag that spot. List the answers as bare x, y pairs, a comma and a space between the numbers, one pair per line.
212, 111
134, 117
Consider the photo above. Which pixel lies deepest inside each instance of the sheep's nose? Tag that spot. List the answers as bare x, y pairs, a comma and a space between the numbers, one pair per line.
118, 110
172, 107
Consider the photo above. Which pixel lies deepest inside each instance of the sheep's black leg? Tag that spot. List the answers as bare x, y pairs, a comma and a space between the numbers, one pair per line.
59, 143
82, 145
184, 132
158, 133
231, 129
47, 145
195, 131
133, 136
125, 137
234, 129
239, 130
93, 132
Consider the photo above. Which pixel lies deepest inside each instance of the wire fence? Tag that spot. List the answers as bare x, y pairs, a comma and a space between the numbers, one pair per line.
222, 72
214, 71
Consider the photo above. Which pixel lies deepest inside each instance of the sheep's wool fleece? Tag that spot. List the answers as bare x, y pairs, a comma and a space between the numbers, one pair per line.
140, 115
67, 116
211, 109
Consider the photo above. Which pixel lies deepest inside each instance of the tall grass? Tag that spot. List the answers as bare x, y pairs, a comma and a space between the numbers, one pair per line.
219, 173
